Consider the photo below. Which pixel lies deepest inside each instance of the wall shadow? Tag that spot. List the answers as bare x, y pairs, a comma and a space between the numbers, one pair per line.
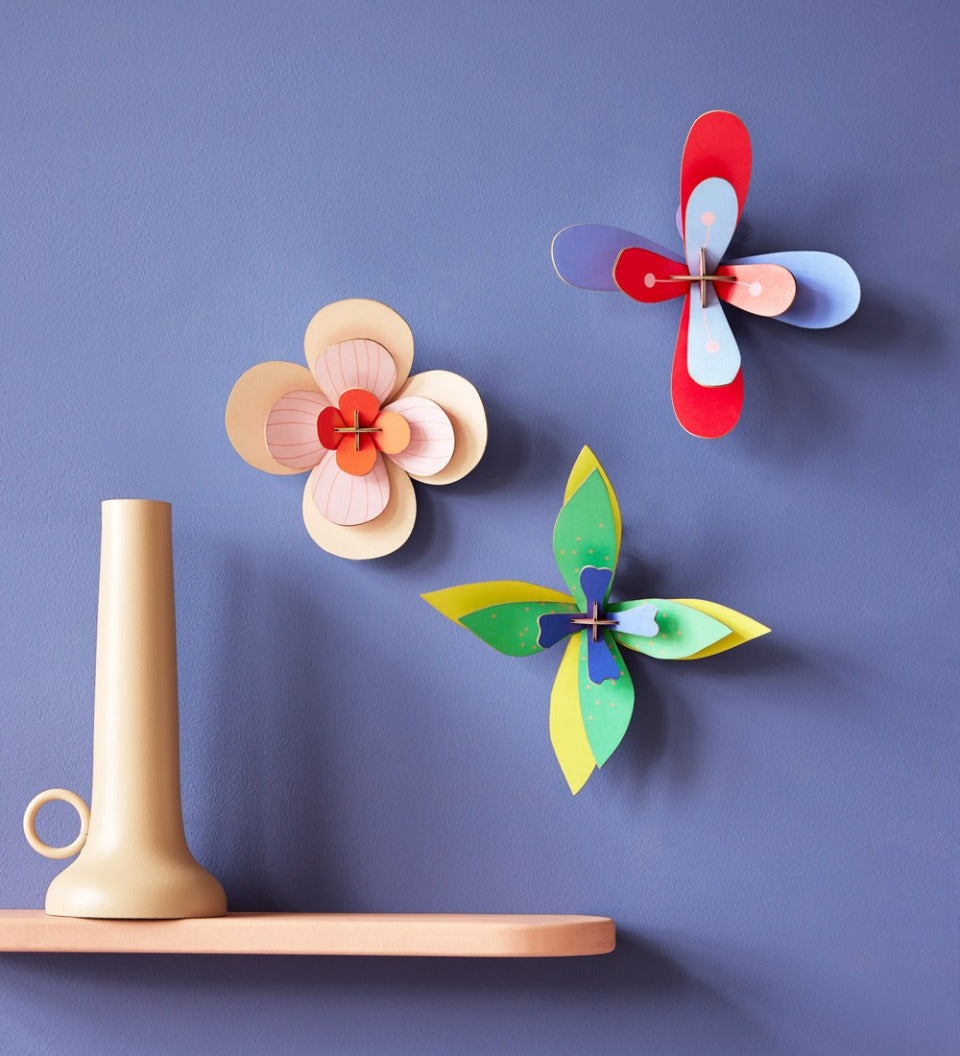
639, 973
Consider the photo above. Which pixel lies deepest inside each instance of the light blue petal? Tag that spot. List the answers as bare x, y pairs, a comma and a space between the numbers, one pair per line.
828, 291
713, 357
640, 620
712, 212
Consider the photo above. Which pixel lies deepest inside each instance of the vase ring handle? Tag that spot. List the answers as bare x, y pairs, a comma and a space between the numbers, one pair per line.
30, 818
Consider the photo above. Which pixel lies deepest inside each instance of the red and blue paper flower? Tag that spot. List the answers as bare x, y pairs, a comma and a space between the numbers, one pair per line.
807, 289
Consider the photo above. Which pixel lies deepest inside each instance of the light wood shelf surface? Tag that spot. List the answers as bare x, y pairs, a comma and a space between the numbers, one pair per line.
345, 934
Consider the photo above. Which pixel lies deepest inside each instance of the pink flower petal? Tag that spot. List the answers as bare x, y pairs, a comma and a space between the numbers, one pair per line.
359, 364
291, 430
431, 436
347, 499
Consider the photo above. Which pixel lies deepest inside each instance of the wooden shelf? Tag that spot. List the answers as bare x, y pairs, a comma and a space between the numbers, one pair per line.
350, 934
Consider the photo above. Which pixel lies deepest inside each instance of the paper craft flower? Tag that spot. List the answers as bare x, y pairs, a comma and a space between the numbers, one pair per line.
359, 425
808, 289
592, 699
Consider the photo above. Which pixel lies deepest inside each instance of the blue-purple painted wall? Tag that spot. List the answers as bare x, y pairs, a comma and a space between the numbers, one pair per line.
181, 187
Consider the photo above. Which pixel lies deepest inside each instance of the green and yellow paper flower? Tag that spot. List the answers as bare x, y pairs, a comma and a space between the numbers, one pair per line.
592, 699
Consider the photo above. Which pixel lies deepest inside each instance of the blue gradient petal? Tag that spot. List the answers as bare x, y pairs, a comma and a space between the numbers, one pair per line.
584, 254
828, 290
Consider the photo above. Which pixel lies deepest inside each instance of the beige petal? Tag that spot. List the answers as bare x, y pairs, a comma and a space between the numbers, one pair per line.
375, 538
248, 408
359, 318
463, 406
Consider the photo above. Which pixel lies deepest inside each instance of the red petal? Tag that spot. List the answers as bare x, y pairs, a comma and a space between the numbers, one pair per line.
329, 420
702, 411
718, 144
644, 276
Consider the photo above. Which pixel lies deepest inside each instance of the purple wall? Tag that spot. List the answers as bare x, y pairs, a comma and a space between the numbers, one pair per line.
181, 187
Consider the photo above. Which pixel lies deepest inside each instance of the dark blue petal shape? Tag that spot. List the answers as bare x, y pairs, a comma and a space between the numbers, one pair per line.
601, 663
595, 582
555, 626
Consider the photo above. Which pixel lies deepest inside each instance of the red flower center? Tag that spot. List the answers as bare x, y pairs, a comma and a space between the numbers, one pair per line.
357, 430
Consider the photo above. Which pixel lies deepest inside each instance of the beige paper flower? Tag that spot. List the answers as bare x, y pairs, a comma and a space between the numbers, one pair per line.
360, 425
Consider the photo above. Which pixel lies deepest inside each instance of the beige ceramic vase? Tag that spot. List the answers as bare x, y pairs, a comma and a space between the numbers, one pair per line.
134, 860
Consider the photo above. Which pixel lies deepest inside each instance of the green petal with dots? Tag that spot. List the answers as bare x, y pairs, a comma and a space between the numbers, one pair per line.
607, 707
512, 628
585, 533
683, 630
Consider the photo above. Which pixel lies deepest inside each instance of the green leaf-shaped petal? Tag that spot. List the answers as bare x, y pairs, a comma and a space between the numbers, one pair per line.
684, 630
586, 463
606, 708
585, 533
742, 628
513, 628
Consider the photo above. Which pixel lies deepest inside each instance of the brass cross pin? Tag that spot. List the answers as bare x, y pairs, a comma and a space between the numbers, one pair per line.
703, 278
357, 429
594, 622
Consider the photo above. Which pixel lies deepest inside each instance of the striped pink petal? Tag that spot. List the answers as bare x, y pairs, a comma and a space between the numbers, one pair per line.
358, 364
347, 499
291, 430
431, 436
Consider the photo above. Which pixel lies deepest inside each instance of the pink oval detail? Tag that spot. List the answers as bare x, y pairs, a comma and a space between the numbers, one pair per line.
345, 498
291, 429
357, 364
431, 436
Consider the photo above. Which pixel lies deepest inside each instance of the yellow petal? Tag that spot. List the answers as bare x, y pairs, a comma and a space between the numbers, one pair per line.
567, 734
742, 628
455, 602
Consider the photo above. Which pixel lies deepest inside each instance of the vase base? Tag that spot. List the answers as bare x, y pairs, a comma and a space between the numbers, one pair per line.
144, 888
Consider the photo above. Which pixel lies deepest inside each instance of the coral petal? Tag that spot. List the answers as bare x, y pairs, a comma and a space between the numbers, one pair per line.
357, 463
394, 435
359, 400
345, 498
291, 429
761, 289
828, 290
431, 436
356, 364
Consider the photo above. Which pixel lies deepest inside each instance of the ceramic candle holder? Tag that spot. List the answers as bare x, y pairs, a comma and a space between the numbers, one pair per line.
134, 860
